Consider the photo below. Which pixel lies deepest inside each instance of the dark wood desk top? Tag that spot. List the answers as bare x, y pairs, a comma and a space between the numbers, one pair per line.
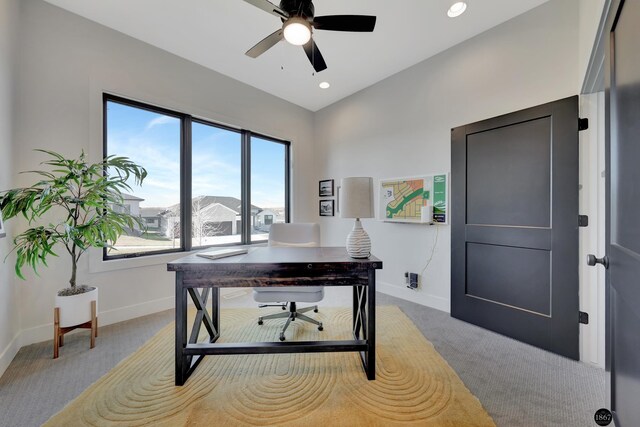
277, 258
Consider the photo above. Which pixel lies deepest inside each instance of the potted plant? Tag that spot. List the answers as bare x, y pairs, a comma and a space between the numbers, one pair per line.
87, 201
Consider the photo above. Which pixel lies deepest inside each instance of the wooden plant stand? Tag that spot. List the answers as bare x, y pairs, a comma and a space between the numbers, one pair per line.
58, 332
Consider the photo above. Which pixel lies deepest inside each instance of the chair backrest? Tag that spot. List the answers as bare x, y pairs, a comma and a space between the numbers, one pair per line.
289, 234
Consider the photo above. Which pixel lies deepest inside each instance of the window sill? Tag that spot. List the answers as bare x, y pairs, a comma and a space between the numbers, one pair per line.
98, 265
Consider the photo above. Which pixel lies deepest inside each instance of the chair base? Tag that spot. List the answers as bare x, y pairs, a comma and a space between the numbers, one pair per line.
281, 305
291, 316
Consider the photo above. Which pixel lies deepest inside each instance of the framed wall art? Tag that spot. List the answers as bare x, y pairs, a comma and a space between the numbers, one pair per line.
326, 188
326, 207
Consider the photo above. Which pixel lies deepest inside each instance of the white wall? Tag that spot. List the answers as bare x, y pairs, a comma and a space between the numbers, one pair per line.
589, 14
65, 63
8, 297
401, 127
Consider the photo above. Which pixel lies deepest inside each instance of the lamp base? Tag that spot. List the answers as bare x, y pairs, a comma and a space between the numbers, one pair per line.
358, 242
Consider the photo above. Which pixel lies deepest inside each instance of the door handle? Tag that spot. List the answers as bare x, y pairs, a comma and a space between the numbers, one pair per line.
592, 260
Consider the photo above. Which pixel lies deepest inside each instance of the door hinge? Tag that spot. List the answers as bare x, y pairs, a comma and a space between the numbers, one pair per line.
583, 221
583, 317
583, 124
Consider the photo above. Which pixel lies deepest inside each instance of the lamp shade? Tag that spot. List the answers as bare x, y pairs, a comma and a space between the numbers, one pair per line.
356, 197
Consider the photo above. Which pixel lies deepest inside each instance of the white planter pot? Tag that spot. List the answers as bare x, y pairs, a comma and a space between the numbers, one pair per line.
76, 309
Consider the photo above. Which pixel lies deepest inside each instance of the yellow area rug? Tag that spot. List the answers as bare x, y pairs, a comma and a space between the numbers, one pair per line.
413, 386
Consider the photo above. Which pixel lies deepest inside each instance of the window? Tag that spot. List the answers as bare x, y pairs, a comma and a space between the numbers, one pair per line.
216, 176
207, 184
268, 185
152, 139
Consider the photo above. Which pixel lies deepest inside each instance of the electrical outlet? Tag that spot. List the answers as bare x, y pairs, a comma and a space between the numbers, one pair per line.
406, 278
413, 280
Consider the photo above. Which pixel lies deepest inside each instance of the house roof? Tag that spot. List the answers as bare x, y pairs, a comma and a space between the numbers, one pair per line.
126, 196
215, 212
202, 202
228, 202
149, 212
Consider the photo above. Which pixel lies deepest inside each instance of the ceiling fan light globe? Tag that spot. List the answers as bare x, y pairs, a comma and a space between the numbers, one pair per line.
457, 9
297, 31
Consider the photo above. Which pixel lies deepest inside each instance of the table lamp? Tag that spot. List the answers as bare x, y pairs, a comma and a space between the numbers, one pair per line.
357, 202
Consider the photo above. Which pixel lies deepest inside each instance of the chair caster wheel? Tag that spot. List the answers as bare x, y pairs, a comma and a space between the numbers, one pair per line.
315, 311
282, 337
320, 328
260, 322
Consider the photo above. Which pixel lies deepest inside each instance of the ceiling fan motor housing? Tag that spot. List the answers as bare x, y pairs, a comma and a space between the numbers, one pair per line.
302, 8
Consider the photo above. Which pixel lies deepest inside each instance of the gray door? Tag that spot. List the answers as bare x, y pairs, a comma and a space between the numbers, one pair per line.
514, 266
623, 213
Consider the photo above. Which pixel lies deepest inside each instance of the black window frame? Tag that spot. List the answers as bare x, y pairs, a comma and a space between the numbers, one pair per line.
186, 196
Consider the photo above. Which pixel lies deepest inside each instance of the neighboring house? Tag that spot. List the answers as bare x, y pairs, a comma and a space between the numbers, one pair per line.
153, 218
214, 219
130, 205
268, 216
211, 216
264, 219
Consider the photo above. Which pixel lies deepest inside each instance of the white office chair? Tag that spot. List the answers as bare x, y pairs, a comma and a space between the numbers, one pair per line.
295, 235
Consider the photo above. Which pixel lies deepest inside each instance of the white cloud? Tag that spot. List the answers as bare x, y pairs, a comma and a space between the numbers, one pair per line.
161, 120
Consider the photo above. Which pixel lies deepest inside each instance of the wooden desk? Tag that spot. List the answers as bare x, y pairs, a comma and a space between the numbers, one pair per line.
201, 279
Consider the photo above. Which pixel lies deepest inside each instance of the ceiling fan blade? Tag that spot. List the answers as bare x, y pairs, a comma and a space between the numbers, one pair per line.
357, 23
269, 8
265, 44
314, 55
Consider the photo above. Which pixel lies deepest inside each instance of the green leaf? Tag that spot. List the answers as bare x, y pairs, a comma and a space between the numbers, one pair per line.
84, 195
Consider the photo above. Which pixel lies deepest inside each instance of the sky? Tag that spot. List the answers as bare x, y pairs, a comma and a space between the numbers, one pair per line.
152, 140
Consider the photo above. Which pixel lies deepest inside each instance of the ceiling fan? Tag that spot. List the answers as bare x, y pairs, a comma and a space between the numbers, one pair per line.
298, 20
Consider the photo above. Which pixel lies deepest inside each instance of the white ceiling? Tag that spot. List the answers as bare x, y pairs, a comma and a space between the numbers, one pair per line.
216, 33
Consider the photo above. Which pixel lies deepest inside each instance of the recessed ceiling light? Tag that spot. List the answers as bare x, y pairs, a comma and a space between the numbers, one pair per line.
324, 85
457, 9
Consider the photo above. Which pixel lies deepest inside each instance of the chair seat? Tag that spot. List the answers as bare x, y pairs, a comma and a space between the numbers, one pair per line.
289, 293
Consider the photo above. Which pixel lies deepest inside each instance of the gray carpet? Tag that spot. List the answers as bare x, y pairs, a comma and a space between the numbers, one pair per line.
519, 385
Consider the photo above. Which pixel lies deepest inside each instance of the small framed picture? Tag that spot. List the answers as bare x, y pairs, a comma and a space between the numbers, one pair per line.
2, 232
326, 207
326, 188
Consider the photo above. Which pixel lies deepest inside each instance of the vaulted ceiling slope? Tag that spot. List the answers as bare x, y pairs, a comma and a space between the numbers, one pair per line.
217, 33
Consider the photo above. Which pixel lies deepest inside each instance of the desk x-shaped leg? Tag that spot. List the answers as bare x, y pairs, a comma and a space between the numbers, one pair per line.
364, 311
211, 321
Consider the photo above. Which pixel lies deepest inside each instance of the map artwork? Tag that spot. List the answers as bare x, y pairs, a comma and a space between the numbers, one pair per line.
418, 200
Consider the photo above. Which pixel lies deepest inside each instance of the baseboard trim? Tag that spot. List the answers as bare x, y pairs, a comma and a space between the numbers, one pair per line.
9, 353
45, 332
425, 299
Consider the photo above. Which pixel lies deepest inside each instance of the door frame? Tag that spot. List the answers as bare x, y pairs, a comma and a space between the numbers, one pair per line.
592, 238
